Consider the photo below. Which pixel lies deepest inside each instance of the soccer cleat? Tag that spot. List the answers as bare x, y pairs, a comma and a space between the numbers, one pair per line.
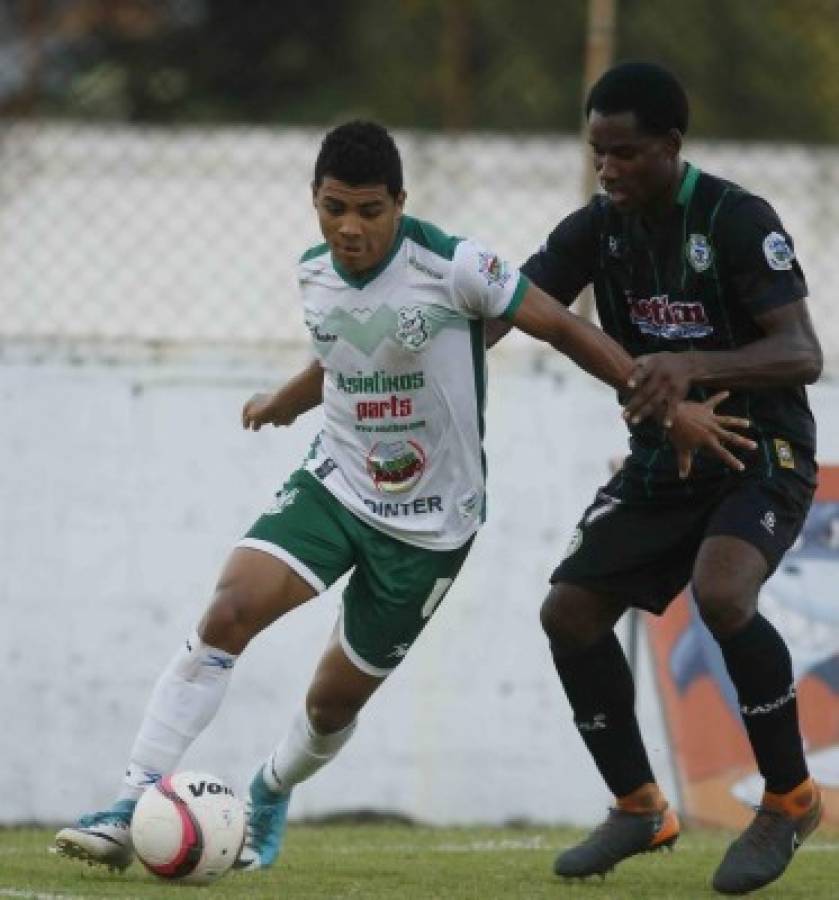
764, 850
102, 838
266, 812
622, 835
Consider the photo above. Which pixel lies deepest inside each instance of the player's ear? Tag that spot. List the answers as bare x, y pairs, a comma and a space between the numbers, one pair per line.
400, 200
314, 194
674, 141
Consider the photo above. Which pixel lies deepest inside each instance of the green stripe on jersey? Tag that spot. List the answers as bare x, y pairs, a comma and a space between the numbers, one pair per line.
516, 299
314, 252
430, 237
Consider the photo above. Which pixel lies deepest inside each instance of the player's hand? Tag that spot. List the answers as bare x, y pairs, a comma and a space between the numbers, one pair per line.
697, 425
262, 409
659, 381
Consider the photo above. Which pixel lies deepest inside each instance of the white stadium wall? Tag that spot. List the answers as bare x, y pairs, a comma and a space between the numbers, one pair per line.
123, 488
146, 291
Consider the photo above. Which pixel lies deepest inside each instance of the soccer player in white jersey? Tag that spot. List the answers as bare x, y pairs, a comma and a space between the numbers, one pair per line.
393, 487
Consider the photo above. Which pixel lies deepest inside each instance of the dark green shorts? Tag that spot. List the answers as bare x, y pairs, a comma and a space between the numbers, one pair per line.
392, 592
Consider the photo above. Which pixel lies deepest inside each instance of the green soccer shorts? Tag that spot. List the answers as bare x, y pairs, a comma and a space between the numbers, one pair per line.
394, 589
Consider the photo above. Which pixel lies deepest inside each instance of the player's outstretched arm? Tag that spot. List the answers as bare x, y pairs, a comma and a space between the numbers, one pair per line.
297, 396
542, 317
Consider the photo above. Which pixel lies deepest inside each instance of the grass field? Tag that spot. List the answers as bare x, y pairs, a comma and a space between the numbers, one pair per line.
374, 862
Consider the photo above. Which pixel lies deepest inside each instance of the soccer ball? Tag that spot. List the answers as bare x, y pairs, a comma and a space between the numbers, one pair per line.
189, 827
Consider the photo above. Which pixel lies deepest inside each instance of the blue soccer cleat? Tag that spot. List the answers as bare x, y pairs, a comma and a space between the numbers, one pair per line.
102, 838
266, 813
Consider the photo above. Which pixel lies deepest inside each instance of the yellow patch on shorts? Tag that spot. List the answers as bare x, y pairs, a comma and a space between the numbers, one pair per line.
784, 453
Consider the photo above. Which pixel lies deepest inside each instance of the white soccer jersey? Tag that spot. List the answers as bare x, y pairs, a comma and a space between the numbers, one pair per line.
404, 387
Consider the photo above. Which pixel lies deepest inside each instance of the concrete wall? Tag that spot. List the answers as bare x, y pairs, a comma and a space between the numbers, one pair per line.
122, 488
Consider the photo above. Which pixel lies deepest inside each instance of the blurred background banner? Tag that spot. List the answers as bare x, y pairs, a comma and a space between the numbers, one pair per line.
155, 167
155, 155
716, 774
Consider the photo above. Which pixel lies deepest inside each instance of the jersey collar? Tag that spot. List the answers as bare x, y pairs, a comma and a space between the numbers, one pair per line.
688, 185
359, 281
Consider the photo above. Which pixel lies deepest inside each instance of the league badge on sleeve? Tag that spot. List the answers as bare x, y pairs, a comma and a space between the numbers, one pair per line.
779, 255
699, 252
494, 269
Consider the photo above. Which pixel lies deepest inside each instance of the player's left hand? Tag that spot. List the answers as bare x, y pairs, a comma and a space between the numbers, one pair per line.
659, 381
697, 425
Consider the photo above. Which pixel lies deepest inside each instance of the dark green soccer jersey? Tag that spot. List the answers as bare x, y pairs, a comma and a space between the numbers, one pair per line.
695, 281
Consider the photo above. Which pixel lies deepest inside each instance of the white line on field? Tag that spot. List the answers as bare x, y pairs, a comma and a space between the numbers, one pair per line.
536, 842
35, 895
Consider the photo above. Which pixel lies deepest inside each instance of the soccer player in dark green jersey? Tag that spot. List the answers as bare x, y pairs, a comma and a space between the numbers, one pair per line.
698, 275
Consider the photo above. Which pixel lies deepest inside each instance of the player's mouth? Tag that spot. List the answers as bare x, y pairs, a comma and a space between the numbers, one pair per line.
618, 194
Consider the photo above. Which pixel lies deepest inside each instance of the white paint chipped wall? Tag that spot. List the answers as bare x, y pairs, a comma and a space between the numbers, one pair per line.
123, 487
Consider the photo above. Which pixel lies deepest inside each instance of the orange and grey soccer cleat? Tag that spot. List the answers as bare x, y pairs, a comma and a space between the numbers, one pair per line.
623, 834
763, 851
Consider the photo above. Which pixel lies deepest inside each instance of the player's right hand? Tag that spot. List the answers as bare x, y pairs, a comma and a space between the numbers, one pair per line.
697, 425
261, 410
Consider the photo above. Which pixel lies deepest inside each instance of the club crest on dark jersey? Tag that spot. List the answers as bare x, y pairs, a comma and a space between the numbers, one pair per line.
699, 252
677, 320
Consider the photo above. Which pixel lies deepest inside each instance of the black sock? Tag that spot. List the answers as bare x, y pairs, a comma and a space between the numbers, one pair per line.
760, 667
601, 692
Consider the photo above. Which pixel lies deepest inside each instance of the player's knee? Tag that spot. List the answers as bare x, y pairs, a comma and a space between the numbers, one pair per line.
229, 623
724, 610
329, 714
565, 626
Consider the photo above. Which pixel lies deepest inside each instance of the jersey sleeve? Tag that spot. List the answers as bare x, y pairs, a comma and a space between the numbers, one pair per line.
759, 256
564, 264
483, 284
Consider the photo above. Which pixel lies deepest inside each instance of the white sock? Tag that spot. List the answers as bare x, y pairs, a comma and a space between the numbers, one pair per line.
184, 701
302, 753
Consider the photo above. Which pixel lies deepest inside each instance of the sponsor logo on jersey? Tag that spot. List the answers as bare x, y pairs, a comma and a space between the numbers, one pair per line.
412, 328
326, 467
379, 382
395, 407
313, 323
783, 451
282, 501
699, 252
494, 269
395, 466
388, 509
426, 270
673, 321
779, 255
469, 504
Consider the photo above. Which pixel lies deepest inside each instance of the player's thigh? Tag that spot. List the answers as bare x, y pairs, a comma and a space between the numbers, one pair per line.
631, 554
746, 537
294, 551
390, 598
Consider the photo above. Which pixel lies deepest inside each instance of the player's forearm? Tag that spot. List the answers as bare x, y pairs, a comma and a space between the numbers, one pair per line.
773, 361
593, 350
301, 393
540, 316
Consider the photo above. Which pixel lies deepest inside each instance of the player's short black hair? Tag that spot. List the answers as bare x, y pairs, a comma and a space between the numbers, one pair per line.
360, 153
650, 91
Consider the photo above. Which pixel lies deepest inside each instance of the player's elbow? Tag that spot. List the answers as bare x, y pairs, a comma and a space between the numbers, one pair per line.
813, 364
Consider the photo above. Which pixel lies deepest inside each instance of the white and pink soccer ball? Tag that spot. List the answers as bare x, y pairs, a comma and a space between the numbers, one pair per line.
189, 827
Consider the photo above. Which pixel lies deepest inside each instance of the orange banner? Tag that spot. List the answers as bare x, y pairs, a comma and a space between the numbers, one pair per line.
716, 774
